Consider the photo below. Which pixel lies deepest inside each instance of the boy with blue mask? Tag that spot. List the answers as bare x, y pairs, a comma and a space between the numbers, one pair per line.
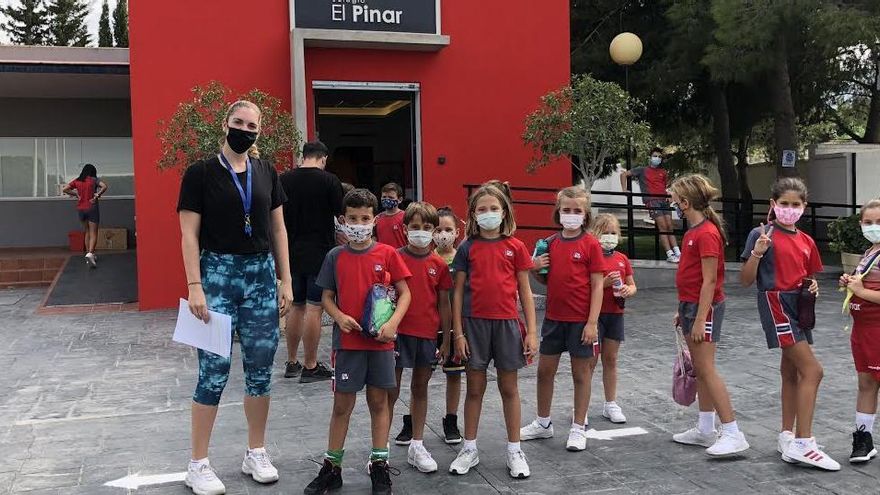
653, 180
390, 228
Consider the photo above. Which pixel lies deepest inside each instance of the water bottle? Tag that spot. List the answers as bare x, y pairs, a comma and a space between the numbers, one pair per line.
542, 248
615, 290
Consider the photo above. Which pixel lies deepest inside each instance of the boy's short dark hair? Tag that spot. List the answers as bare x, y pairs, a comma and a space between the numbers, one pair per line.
360, 198
346, 188
393, 187
425, 211
315, 149
656, 149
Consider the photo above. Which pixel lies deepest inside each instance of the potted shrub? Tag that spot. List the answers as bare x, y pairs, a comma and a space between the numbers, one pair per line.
847, 239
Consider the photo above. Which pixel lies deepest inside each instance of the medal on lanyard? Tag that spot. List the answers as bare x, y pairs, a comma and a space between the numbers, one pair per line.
245, 193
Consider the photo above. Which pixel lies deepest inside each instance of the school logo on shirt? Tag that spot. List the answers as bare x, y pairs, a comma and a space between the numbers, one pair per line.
620, 264
807, 252
378, 268
691, 242
396, 227
509, 253
432, 272
576, 255
855, 306
344, 377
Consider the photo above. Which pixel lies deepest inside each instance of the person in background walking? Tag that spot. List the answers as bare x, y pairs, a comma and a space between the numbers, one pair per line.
88, 189
314, 200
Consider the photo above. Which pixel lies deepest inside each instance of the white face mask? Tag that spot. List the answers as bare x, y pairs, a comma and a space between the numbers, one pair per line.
571, 221
490, 220
444, 239
419, 238
608, 241
656, 161
358, 233
871, 233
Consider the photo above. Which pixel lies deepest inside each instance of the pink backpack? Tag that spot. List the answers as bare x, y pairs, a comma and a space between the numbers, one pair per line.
684, 379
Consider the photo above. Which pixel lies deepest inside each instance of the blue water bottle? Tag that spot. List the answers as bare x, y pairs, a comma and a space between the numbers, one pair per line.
542, 248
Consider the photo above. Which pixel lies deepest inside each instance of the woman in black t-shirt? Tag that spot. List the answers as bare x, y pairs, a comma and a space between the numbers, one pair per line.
231, 223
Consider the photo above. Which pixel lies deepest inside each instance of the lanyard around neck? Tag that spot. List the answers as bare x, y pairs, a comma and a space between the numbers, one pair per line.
245, 193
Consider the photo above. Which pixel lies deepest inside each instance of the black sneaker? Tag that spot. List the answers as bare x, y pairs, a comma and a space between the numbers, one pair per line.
292, 370
319, 373
405, 435
863, 446
380, 476
450, 429
329, 478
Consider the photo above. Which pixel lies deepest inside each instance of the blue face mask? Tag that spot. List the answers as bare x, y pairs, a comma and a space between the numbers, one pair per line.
678, 210
389, 204
656, 161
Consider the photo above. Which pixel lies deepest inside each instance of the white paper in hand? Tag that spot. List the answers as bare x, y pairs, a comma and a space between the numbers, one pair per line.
214, 336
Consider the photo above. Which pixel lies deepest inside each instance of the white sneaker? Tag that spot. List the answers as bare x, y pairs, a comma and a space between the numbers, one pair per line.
517, 464
695, 437
728, 444
672, 258
419, 458
257, 464
92, 260
810, 453
782, 444
464, 461
202, 479
577, 440
613, 412
534, 430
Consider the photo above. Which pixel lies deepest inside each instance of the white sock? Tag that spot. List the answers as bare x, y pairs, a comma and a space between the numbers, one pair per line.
416, 443
470, 444
575, 426
199, 462
260, 450
677, 251
545, 422
513, 447
731, 427
803, 443
866, 420
669, 253
610, 403
706, 423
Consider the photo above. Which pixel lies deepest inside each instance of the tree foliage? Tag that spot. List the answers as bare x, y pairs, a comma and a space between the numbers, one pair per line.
590, 123
105, 34
120, 23
67, 23
195, 130
26, 22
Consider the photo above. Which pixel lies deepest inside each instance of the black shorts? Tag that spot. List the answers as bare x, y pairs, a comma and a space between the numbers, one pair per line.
658, 207
565, 336
415, 352
305, 290
92, 215
687, 314
354, 369
611, 326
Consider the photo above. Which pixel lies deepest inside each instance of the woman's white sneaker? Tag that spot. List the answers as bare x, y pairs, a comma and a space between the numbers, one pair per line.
535, 430
807, 452
202, 479
782, 443
466, 459
695, 437
259, 466
613, 412
517, 464
418, 457
577, 440
728, 444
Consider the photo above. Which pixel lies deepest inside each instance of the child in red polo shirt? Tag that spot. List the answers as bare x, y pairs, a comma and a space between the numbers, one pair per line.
491, 269
574, 299
416, 346
619, 286
782, 260
347, 275
863, 298
700, 282
390, 228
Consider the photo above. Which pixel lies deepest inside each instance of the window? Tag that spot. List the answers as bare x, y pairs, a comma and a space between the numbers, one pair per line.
40, 167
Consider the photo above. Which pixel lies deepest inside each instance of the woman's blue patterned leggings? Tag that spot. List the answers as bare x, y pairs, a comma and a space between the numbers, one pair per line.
243, 287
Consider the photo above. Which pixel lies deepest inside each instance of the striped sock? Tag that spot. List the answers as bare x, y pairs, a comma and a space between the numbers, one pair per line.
334, 456
379, 454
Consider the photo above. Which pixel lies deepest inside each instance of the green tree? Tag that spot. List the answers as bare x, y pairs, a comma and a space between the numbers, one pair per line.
193, 131
105, 34
120, 23
67, 23
589, 123
26, 23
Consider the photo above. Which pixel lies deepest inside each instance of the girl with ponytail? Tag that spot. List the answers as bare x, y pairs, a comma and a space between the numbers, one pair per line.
700, 282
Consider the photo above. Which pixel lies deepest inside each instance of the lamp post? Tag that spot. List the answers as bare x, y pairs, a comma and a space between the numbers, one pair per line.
625, 50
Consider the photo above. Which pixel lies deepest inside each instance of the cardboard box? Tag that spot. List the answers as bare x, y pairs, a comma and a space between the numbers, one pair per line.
112, 239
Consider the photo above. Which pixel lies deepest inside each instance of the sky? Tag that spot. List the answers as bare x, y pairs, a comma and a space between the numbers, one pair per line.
91, 20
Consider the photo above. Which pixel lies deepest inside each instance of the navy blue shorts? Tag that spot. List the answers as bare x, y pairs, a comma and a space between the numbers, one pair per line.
305, 290
611, 326
92, 215
414, 352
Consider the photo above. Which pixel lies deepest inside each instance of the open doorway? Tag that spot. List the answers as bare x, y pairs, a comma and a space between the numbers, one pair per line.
372, 134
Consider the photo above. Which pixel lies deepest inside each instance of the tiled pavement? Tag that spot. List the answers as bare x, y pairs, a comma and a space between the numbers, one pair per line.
89, 399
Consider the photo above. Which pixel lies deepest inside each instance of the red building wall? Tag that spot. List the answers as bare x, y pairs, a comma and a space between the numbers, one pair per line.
504, 55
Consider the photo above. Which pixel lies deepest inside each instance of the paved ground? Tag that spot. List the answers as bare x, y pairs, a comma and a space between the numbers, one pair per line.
89, 399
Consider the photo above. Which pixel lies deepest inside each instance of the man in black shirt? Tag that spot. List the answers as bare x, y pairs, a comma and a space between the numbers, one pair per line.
314, 200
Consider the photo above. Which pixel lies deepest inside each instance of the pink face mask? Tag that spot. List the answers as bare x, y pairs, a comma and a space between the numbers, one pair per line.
788, 215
